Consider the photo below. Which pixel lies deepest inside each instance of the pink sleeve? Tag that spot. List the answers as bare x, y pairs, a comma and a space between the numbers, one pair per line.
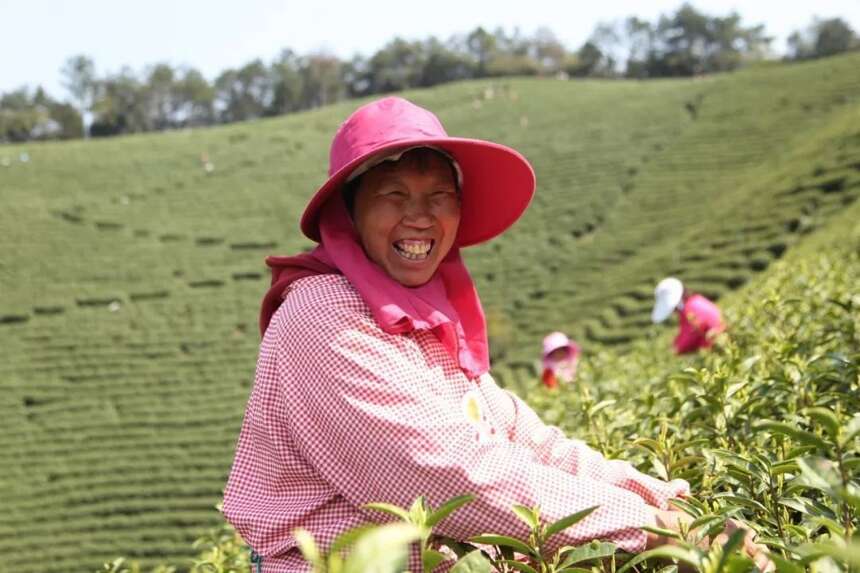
366, 415
576, 458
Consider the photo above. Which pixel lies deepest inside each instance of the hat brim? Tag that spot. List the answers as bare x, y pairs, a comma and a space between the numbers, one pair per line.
663, 309
498, 185
572, 350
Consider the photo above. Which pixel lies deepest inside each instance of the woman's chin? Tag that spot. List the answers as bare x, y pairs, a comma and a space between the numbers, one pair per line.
412, 275
410, 280
408, 271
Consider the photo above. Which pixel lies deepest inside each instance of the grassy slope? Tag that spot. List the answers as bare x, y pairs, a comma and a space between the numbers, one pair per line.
119, 419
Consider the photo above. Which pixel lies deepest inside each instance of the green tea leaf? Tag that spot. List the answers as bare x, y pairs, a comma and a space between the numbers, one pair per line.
742, 502
527, 515
568, 521
593, 550
505, 541
667, 533
349, 537
418, 510
697, 442
832, 526
851, 464
852, 429
736, 563
686, 505
794, 504
849, 554
474, 562
812, 476
649, 444
826, 418
707, 521
519, 566
382, 550
430, 559
659, 469
600, 406
448, 508
685, 461
308, 548
688, 556
796, 434
799, 451
784, 467
786, 566
390, 509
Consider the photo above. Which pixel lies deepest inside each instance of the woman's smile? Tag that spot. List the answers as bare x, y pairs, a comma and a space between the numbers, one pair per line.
414, 249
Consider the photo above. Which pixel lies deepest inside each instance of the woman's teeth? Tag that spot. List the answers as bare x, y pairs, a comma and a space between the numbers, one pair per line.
413, 250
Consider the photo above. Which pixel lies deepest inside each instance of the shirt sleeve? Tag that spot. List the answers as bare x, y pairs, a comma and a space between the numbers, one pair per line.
575, 457
361, 409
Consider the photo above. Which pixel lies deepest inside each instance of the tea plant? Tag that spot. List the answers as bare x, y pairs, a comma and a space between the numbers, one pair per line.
766, 427
485, 553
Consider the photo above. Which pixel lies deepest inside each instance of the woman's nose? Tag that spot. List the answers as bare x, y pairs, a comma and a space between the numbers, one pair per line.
418, 213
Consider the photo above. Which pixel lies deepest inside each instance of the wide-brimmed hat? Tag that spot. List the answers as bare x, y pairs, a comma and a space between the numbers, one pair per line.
497, 182
556, 340
667, 297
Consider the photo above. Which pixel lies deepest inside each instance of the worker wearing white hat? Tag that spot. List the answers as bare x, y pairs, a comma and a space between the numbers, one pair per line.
699, 319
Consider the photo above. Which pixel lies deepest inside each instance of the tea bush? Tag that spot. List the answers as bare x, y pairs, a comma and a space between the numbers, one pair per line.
766, 428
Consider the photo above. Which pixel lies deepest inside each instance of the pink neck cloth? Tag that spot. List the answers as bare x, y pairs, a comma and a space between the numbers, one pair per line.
448, 305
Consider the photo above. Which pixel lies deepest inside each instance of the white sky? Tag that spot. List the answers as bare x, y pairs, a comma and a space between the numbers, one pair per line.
211, 35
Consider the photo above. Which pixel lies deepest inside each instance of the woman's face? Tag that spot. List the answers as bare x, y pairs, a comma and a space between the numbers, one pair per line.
407, 214
559, 354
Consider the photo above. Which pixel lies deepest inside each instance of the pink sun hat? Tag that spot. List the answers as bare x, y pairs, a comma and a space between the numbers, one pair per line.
497, 182
556, 340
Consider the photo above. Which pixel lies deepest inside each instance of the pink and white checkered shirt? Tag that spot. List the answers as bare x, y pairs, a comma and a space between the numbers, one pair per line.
343, 414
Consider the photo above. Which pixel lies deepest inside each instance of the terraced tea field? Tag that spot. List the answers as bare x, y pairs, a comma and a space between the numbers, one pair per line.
131, 269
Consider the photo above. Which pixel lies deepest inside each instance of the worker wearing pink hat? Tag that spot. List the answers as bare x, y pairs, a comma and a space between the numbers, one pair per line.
560, 356
372, 381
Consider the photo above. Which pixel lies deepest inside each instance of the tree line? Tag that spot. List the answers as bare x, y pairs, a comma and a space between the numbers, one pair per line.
685, 43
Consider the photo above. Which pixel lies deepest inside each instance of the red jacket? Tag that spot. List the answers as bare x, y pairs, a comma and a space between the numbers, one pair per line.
549, 379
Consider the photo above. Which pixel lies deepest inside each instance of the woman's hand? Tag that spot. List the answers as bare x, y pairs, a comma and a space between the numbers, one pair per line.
666, 519
755, 551
677, 520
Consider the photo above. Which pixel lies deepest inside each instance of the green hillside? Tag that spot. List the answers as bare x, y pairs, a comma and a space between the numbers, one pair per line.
130, 275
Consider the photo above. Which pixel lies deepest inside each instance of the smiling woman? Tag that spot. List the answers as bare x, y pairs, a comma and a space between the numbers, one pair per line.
406, 214
372, 382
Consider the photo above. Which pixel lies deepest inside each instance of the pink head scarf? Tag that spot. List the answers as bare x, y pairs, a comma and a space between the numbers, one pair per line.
448, 305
